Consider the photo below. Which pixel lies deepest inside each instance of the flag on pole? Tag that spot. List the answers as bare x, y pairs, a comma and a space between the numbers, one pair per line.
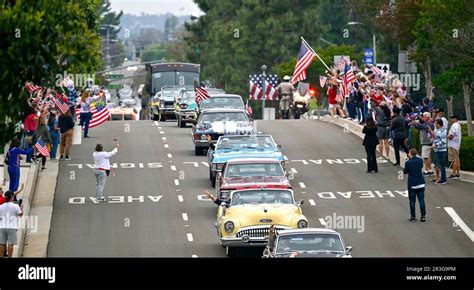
201, 93
248, 108
255, 92
322, 81
41, 147
348, 74
32, 88
62, 106
305, 57
100, 112
270, 92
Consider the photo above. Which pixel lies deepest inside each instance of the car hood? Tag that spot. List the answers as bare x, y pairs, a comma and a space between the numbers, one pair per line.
227, 127
313, 255
221, 156
251, 215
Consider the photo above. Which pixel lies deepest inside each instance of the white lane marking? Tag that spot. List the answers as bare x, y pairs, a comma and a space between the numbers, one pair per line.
156, 123
285, 158
294, 170
178, 189
162, 132
311, 202
205, 164
176, 182
196, 164
303, 161
323, 222
173, 167
457, 219
163, 138
180, 198
190, 237
302, 185
167, 146
303, 192
185, 217
169, 155
194, 256
159, 128
438, 207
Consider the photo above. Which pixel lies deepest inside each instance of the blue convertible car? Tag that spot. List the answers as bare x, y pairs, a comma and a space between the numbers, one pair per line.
241, 146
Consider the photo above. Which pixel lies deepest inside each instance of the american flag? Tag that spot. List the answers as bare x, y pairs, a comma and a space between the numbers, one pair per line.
322, 81
248, 108
305, 58
269, 91
62, 106
201, 93
257, 90
376, 70
41, 147
348, 74
100, 112
32, 88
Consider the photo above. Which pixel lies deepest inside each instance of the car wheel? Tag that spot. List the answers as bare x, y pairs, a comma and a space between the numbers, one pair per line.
155, 117
210, 175
181, 123
162, 117
231, 251
197, 150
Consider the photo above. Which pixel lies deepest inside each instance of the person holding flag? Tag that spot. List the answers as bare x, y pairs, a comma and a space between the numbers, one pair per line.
85, 112
201, 93
42, 137
13, 156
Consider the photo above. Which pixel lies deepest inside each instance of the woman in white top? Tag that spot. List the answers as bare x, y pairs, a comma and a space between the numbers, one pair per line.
102, 168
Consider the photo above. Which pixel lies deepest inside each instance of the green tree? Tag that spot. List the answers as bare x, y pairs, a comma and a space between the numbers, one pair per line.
109, 27
41, 39
153, 52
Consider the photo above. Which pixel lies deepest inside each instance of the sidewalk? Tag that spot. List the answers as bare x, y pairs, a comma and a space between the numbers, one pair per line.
356, 129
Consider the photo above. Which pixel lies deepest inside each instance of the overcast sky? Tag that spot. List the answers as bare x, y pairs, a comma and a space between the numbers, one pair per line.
177, 7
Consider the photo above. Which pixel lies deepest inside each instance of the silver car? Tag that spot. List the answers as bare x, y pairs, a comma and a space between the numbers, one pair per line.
306, 243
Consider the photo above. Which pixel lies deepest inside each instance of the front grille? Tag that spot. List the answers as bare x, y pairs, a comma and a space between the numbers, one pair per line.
255, 232
169, 104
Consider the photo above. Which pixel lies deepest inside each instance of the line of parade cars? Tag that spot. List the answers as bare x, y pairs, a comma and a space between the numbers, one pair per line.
257, 206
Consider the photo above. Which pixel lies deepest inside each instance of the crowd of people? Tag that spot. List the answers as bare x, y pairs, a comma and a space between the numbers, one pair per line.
381, 104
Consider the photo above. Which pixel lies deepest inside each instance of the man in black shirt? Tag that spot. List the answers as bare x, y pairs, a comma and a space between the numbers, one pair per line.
398, 126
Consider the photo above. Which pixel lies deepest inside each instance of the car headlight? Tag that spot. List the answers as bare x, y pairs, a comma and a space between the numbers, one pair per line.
229, 227
224, 194
183, 106
162, 103
302, 224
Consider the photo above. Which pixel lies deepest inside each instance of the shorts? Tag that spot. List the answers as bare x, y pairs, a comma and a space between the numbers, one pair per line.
426, 151
382, 133
332, 106
453, 155
8, 236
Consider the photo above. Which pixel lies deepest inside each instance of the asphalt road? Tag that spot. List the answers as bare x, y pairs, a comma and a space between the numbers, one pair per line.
155, 207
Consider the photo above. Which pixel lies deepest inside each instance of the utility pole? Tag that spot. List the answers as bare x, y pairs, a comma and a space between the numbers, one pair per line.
264, 78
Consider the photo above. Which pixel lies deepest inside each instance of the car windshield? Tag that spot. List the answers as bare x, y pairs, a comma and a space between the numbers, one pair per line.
255, 197
210, 117
246, 141
254, 170
222, 102
309, 243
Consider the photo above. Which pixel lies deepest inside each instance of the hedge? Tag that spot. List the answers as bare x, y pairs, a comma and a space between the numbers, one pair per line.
466, 154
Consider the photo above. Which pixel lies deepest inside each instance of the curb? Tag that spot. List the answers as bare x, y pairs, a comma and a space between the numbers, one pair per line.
356, 129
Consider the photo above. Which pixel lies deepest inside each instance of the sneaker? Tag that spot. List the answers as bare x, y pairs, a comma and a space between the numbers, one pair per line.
100, 199
396, 164
43, 168
452, 176
422, 219
434, 180
412, 219
67, 158
458, 177
426, 173
61, 157
440, 182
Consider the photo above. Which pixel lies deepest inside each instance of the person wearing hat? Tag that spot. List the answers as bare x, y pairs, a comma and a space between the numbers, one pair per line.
285, 91
454, 143
9, 213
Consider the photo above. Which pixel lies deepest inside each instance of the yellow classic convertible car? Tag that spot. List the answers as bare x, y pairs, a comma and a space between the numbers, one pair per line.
244, 221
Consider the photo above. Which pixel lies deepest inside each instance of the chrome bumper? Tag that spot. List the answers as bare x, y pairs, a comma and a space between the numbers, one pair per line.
239, 242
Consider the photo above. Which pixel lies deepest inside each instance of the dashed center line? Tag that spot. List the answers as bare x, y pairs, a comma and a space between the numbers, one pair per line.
185, 217
180, 198
162, 132
294, 170
176, 182
190, 237
163, 138
205, 164
311, 202
156, 123
173, 167
169, 155
302, 185
194, 256
167, 146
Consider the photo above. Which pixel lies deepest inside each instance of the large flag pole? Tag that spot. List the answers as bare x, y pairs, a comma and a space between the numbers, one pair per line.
305, 42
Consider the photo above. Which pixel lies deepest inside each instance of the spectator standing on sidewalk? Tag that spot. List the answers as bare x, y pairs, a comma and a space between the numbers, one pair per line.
454, 143
383, 120
9, 213
66, 125
53, 126
102, 168
370, 143
425, 126
13, 156
43, 133
30, 124
398, 126
416, 185
439, 146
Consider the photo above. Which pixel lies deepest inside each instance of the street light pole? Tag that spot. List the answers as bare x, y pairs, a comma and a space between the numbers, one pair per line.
264, 68
374, 44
